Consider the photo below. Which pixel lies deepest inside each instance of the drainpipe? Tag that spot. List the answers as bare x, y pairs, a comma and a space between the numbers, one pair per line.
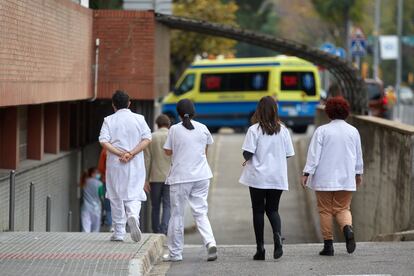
95, 85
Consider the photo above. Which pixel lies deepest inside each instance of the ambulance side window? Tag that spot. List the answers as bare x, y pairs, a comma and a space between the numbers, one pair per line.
186, 85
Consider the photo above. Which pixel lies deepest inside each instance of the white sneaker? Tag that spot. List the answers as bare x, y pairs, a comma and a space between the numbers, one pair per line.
117, 238
168, 258
134, 228
211, 252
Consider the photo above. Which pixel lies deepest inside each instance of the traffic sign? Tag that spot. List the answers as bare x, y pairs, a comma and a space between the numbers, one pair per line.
328, 47
358, 47
358, 43
333, 50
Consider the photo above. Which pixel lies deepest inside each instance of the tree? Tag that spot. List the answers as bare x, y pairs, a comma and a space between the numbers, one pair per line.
338, 14
185, 45
105, 4
258, 16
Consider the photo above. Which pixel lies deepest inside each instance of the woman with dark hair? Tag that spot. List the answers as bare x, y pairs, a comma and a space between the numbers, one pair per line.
334, 169
189, 180
265, 149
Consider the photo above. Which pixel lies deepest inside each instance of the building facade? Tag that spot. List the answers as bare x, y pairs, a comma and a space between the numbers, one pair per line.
51, 107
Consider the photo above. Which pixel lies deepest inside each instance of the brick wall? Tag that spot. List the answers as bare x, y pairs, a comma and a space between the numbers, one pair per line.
45, 51
57, 176
126, 52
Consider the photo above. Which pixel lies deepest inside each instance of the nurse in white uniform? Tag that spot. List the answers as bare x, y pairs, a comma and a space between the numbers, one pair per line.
266, 147
333, 169
125, 135
189, 180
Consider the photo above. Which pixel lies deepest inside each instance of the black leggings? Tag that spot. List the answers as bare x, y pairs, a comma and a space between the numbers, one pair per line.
265, 200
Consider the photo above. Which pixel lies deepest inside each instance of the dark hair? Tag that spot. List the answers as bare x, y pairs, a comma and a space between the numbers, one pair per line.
86, 174
337, 108
186, 110
267, 116
120, 99
163, 121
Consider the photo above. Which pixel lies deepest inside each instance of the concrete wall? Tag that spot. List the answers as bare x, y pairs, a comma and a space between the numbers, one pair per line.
385, 202
56, 175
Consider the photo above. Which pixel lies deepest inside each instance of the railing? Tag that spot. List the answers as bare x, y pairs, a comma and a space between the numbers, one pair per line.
12, 203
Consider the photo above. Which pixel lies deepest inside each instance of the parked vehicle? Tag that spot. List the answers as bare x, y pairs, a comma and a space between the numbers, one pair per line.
225, 92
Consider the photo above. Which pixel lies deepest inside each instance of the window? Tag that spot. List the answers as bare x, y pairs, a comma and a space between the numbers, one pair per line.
230, 82
298, 81
186, 85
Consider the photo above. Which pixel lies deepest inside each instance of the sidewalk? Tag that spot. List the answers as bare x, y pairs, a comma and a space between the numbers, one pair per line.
40, 253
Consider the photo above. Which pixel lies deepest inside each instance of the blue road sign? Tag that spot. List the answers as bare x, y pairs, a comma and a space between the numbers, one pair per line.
358, 47
340, 52
328, 47
333, 50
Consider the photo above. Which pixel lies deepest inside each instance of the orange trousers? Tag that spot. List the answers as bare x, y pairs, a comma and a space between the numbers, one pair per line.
333, 204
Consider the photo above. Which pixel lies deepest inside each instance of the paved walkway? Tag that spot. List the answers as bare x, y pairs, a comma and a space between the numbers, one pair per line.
40, 253
230, 207
387, 258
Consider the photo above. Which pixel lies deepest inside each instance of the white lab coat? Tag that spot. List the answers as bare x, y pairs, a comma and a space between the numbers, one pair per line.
189, 160
267, 169
124, 130
334, 157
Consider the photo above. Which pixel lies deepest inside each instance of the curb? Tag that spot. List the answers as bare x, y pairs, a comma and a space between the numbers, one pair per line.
148, 254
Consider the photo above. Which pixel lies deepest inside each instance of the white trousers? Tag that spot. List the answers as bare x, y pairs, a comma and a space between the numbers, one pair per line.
196, 193
122, 210
91, 220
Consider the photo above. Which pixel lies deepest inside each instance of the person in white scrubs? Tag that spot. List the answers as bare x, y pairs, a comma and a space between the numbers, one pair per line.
125, 135
92, 198
266, 147
334, 168
189, 180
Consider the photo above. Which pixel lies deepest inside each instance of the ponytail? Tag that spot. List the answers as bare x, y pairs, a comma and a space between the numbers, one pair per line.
186, 110
187, 122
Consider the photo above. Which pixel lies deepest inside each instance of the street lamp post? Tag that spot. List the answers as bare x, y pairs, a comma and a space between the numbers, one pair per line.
399, 59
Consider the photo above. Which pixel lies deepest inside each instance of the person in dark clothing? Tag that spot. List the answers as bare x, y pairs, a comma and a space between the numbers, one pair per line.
265, 149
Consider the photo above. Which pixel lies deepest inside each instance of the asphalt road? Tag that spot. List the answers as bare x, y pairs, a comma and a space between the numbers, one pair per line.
394, 258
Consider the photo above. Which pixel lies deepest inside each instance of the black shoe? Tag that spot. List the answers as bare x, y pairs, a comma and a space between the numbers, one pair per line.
260, 254
328, 249
349, 238
278, 252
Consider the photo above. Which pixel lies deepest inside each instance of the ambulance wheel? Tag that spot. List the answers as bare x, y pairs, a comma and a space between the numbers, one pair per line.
213, 129
300, 129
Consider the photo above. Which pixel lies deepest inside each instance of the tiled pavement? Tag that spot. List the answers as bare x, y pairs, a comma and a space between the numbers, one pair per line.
40, 253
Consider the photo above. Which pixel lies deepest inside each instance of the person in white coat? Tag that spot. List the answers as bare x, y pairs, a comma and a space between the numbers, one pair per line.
334, 168
266, 148
125, 135
189, 180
